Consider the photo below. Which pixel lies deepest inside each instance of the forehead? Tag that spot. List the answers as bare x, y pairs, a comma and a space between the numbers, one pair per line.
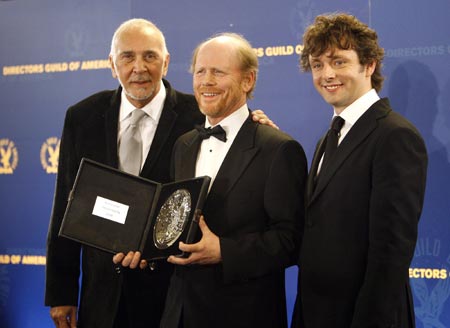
139, 39
335, 53
217, 53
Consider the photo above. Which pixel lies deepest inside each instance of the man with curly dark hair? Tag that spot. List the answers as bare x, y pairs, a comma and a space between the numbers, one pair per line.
365, 189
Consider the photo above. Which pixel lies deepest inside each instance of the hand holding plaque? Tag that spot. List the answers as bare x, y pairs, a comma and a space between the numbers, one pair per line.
118, 212
206, 251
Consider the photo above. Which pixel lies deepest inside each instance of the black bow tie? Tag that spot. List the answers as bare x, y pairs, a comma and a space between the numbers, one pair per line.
216, 131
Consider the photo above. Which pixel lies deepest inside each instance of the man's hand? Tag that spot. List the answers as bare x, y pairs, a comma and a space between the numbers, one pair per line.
259, 116
64, 316
132, 260
206, 251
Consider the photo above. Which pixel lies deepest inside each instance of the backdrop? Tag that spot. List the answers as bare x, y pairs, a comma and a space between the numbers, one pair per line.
54, 53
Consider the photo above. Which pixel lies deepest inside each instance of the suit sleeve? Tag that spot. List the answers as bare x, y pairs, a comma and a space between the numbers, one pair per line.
63, 255
398, 186
255, 254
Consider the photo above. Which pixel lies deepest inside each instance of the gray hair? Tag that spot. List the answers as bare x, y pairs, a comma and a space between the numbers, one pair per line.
136, 23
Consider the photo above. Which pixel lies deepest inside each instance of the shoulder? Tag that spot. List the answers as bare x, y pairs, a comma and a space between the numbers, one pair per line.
183, 98
393, 122
273, 142
183, 104
178, 99
395, 136
267, 135
96, 103
99, 98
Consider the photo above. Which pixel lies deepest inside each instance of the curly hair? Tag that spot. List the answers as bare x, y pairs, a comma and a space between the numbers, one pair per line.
345, 32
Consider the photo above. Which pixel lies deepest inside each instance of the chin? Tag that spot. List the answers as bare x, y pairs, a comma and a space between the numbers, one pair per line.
210, 112
141, 97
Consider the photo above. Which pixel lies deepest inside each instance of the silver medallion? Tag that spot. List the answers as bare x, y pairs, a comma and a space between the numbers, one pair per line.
172, 219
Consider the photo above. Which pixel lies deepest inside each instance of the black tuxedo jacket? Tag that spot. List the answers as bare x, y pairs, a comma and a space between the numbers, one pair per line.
90, 130
255, 206
361, 226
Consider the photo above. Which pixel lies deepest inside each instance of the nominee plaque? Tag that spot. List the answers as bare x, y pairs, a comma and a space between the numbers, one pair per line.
119, 212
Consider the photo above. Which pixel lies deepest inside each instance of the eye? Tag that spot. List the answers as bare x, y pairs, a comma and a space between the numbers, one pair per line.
339, 62
127, 57
150, 56
316, 66
199, 71
218, 72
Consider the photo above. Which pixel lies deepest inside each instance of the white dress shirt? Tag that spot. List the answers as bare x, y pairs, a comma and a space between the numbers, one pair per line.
352, 113
213, 151
148, 124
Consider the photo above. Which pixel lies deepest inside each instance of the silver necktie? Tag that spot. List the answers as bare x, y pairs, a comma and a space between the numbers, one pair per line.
130, 148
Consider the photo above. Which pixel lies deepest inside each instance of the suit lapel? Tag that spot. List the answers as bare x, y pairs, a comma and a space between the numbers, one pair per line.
163, 130
111, 128
185, 169
365, 125
236, 161
314, 165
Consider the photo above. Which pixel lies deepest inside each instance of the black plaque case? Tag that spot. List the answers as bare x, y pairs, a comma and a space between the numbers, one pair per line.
144, 199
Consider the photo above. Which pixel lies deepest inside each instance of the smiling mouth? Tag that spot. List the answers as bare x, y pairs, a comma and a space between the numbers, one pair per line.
209, 94
332, 87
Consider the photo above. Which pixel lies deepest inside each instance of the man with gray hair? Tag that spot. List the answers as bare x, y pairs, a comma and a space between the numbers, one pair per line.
96, 128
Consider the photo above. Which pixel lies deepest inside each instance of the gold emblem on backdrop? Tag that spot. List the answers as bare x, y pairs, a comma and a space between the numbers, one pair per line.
50, 155
9, 156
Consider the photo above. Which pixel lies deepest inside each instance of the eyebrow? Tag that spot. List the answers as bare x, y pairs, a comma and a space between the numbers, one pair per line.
331, 56
126, 52
145, 52
150, 52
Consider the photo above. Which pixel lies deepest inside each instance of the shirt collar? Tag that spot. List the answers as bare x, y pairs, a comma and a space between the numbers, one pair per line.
353, 112
233, 122
153, 108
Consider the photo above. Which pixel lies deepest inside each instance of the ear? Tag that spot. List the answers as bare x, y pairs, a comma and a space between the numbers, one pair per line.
370, 68
248, 81
113, 68
166, 65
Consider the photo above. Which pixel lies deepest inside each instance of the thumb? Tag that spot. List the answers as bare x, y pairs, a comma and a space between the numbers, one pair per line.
73, 318
203, 227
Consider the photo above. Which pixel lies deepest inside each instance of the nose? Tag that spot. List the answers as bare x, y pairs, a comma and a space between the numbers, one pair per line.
208, 79
328, 72
139, 65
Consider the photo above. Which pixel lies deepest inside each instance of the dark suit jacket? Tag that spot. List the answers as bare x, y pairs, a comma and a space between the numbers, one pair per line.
255, 206
90, 130
361, 226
